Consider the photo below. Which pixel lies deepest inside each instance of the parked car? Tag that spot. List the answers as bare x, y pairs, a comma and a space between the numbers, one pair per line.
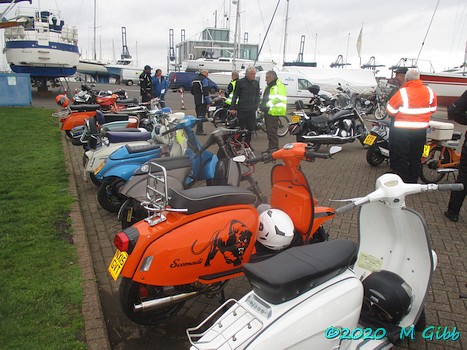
182, 80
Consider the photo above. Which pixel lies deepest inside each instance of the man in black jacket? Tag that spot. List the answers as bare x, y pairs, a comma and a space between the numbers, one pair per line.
145, 84
245, 102
458, 112
200, 91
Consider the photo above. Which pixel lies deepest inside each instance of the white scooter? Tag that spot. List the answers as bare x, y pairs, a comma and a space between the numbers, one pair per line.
335, 294
95, 157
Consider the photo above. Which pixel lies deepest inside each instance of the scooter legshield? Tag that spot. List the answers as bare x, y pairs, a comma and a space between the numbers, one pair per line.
208, 246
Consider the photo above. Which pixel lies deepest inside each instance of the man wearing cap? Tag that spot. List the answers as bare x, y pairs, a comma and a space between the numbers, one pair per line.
145, 84
411, 107
396, 82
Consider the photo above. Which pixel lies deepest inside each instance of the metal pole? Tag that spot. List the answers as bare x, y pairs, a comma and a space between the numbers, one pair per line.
285, 31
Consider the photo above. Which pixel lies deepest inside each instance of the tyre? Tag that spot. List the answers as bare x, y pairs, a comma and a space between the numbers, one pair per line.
131, 293
436, 157
374, 156
212, 90
130, 213
129, 82
219, 117
380, 112
283, 127
109, 197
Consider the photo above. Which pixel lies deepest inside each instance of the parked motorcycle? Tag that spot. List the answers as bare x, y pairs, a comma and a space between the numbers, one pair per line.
88, 95
344, 126
378, 142
198, 239
336, 294
182, 173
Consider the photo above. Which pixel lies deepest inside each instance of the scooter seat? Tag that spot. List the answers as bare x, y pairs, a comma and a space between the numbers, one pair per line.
114, 117
127, 136
299, 269
128, 101
85, 108
203, 198
141, 148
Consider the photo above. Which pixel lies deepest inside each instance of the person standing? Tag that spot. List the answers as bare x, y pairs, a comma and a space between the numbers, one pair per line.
145, 84
160, 85
411, 107
231, 89
245, 102
273, 105
397, 82
200, 91
458, 112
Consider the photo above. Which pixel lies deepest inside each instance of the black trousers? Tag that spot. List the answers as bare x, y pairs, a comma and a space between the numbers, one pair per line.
457, 197
201, 110
407, 153
247, 120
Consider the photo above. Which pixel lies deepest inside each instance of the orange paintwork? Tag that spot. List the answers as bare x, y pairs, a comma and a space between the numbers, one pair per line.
455, 157
75, 119
186, 247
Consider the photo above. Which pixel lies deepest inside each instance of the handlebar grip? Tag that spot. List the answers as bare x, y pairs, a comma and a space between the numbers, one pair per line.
451, 187
345, 208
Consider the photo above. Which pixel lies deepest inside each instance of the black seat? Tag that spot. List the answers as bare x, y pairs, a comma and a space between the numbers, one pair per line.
128, 101
85, 107
298, 269
203, 198
169, 163
125, 136
132, 149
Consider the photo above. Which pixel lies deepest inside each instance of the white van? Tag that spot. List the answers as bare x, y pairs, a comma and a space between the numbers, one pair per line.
296, 84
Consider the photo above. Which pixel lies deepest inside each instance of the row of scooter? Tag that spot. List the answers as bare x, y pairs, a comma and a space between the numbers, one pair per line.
307, 292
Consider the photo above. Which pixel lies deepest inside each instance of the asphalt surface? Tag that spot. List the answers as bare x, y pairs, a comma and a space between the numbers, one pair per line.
346, 175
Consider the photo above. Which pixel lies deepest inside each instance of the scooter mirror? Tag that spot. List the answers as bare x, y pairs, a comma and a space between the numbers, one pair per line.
323, 109
335, 149
239, 159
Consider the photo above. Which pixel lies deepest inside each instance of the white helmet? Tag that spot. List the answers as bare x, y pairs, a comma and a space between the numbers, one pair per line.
276, 229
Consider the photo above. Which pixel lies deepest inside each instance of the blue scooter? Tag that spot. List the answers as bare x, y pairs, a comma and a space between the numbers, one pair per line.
121, 164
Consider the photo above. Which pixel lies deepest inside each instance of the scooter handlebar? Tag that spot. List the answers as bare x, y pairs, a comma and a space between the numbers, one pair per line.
451, 187
345, 208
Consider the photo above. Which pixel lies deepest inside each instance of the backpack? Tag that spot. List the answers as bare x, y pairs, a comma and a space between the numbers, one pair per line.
196, 87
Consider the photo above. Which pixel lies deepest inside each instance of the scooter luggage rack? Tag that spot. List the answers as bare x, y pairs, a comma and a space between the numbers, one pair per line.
158, 198
230, 331
63, 113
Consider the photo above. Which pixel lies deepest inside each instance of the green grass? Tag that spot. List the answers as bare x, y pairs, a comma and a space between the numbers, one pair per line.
40, 280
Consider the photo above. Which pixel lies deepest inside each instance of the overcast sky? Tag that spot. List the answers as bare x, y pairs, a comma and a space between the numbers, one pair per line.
391, 29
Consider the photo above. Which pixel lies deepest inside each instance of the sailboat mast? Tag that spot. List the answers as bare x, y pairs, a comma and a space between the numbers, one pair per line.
237, 19
285, 31
94, 52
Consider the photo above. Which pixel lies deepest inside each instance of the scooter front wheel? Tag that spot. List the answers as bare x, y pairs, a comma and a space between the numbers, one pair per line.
132, 293
374, 156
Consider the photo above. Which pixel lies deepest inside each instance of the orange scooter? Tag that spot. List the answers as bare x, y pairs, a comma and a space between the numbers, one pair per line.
196, 240
72, 116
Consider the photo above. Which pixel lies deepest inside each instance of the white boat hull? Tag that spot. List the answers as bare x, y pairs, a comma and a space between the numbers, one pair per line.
224, 65
92, 68
447, 86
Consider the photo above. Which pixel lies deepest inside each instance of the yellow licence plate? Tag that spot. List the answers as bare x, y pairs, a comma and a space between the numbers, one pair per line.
426, 151
99, 168
369, 139
117, 263
295, 118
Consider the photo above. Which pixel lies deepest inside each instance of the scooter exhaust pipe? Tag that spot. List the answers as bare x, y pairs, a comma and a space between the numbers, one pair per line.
157, 304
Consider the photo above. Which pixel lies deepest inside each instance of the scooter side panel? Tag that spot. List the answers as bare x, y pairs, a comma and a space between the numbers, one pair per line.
213, 242
76, 119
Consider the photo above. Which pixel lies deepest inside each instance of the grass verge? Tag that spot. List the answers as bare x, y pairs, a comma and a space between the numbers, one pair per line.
40, 289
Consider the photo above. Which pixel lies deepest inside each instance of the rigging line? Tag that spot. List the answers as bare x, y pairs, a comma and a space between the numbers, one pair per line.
262, 22
267, 31
429, 26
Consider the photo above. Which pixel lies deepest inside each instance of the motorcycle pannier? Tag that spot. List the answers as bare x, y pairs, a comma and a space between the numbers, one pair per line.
319, 122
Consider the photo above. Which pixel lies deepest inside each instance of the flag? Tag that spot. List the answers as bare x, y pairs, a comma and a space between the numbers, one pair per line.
359, 43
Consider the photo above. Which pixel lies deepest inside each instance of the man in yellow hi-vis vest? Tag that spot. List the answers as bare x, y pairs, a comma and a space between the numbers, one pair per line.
231, 88
273, 105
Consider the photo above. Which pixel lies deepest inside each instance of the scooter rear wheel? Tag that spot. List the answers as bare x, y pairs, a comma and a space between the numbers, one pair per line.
108, 195
131, 292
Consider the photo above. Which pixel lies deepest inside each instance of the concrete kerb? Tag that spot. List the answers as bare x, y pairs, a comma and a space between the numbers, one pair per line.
94, 325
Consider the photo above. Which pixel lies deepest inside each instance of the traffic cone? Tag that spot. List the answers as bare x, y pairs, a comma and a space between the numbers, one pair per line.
181, 98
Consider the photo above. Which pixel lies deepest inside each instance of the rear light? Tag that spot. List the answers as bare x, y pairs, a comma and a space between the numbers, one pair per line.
122, 242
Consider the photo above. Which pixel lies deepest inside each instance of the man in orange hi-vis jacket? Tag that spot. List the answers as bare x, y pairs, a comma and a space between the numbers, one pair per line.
411, 107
